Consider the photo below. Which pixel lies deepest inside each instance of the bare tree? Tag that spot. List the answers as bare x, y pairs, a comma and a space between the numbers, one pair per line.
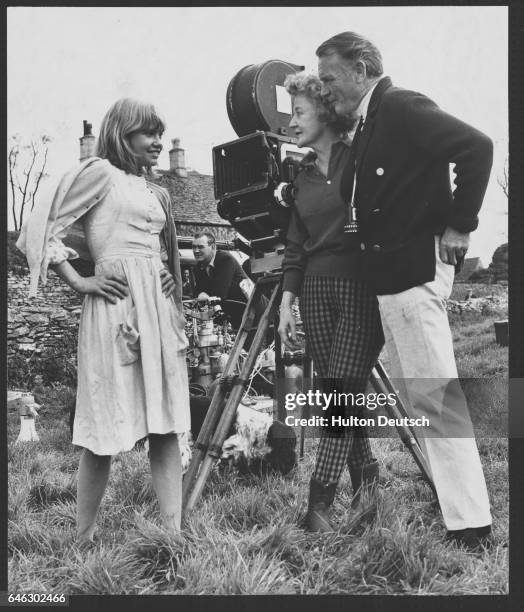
503, 180
27, 163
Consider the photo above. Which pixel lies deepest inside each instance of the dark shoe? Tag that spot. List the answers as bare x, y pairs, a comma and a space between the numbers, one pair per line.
363, 479
321, 497
472, 538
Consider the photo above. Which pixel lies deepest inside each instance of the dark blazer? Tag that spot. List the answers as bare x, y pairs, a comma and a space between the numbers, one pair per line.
223, 282
403, 192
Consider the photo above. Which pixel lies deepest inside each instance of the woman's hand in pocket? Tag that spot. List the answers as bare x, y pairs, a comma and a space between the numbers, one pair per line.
168, 282
110, 286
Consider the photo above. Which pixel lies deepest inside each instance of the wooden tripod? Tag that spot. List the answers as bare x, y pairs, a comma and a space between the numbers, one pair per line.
221, 415
219, 418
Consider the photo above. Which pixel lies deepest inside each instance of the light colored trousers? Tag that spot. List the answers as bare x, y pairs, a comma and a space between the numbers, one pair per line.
423, 368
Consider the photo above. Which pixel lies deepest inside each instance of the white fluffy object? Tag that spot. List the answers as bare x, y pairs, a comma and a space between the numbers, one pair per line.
184, 443
26, 406
250, 438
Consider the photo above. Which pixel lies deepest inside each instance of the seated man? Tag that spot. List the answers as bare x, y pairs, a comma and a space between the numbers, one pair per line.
219, 274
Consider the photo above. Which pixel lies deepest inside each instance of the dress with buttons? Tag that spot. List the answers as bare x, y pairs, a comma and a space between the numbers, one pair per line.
132, 376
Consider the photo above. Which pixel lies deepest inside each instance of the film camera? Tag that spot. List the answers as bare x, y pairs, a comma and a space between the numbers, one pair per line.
254, 174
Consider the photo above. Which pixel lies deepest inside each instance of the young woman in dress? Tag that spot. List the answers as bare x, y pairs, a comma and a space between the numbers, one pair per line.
132, 377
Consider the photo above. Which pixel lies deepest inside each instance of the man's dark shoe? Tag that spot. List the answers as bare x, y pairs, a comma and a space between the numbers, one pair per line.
472, 538
321, 497
364, 479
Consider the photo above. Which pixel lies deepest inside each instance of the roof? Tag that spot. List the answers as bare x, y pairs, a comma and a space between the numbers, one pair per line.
193, 197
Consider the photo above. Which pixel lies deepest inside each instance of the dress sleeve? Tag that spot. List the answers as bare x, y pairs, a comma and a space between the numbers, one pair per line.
56, 211
57, 252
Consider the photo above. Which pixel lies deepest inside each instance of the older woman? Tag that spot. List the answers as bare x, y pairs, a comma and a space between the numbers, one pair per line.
323, 265
132, 378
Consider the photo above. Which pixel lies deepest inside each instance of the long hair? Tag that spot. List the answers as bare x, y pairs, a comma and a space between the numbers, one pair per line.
125, 117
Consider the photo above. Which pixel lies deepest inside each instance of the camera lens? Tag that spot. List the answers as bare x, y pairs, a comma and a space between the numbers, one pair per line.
285, 194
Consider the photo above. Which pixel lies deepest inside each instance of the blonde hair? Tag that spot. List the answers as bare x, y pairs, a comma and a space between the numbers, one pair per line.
125, 117
309, 86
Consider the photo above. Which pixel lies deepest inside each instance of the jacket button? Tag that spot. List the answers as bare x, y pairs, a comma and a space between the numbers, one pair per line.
376, 248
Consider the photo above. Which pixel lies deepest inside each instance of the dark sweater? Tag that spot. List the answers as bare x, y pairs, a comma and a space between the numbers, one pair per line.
224, 279
316, 242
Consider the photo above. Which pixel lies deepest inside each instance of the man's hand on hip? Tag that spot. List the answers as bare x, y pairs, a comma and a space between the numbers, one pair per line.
453, 246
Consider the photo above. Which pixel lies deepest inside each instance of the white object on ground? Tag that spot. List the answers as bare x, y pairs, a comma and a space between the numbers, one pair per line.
26, 406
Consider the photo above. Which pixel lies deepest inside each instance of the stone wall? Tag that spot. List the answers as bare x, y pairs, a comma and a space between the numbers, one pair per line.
38, 323
481, 305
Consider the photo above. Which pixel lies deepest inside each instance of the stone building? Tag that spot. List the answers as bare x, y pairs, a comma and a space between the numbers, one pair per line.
192, 197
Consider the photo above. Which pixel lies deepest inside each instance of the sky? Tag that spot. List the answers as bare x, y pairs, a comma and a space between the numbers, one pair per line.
67, 64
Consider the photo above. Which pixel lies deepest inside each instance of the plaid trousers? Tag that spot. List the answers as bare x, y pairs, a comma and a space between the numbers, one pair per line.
344, 336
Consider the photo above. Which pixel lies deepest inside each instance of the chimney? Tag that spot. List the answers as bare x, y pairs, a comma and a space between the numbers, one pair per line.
177, 159
87, 142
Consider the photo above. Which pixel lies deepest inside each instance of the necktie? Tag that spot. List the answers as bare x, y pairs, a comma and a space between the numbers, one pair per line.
348, 180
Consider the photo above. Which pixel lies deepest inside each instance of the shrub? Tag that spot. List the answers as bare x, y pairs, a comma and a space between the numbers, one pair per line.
57, 367
15, 257
20, 372
56, 364
482, 276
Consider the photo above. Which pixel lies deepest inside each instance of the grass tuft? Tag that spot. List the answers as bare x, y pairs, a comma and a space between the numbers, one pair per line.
46, 491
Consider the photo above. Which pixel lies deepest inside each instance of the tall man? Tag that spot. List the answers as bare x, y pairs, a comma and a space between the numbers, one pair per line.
413, 231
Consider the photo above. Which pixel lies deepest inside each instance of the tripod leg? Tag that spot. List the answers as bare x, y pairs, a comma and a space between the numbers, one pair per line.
201, 444
280, 376
214, 410
228, 415
382, 384
307, 380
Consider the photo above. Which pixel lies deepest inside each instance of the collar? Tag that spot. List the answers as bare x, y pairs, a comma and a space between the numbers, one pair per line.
211, 264
376, 97
309, 158
362, 109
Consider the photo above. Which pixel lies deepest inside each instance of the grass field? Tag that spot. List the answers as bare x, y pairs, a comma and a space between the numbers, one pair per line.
243, 537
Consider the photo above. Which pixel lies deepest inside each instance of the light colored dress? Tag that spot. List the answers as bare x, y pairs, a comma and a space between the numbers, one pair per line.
132, 376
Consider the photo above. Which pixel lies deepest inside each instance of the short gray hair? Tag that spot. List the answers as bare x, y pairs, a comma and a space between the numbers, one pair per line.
354, 47
309, 86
